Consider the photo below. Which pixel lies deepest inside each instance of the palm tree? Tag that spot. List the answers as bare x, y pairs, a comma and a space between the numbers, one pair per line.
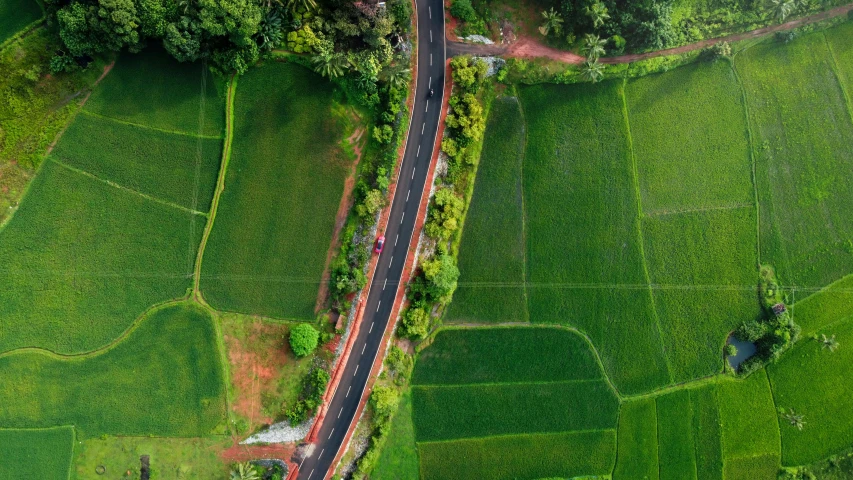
553, 22
592, 70
244, 471
293, 5
598, 13
397, 76
782, 8
829, 343
593, 47
794, 419
329, 65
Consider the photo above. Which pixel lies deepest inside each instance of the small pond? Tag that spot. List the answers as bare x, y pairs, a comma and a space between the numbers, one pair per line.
744, 351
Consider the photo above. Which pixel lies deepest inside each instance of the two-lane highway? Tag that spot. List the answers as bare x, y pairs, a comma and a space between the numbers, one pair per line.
398, 235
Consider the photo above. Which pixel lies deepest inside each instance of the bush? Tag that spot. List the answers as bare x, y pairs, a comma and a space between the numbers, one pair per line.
442, 274
730, 350
303, 339
463, 10
415, 323
444, 214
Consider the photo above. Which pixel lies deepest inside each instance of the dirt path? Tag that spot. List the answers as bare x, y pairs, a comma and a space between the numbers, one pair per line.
527, 47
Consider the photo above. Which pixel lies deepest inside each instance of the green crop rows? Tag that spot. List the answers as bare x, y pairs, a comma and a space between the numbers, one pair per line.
564, 455
163, 379
833, 304
803, 132
37, 454
467, 356
17, 14
690, 139
554, 391
172, 167
150, 88
267, 249
84, 259
637, 456
494, 291
399, 458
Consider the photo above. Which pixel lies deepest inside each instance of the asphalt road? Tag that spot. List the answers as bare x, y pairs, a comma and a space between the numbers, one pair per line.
398, 236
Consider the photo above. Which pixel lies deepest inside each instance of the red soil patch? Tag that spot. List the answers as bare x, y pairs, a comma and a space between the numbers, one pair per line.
243, 453
450, 23
529, 47
340, 218
255, 371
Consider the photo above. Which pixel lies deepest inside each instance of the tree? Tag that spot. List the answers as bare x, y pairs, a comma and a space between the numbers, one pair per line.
553, 22
782, 8
829, 343
794, 419
444, 214
295, 5
244, 471
463, 10
415, 323
303, 339
383, 401
598, 13
593, 46
442, 274
592, 71
397, 76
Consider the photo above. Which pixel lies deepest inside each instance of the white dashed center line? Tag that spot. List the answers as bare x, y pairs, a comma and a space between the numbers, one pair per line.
392, 261
430, 11
407, 195
430, 36
362, 352
369, 331
312, 473
347, 395
419, 151
356, 371
380, 304
402, 218
396, 238
422, 128
413, 172
321, 454
342, 411
385, 284
427, 106
430, 59
330, 433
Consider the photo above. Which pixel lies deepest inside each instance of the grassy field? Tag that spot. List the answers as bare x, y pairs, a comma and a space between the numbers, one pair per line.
495, 355
17, 14
507, 408
163, 379
703, 266
676, 450
585, 264
707, 433
563, 455
815, 383
802, 136
399, 457
637, 441
830, 305
750, 431
176, 168
38, 454
494, 227
171, 458
267, 249
153, 89
838, 39
83, 259
690, 139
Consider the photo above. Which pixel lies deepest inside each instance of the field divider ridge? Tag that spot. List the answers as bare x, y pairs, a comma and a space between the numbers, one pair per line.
148, 127
639, 222
511, 435
220, 186
118, 186
687, 211
501, 384
523, 155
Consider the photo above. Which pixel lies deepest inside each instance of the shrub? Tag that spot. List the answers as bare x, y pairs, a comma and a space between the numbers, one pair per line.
415, 323
730, 350
303, 339
463, 10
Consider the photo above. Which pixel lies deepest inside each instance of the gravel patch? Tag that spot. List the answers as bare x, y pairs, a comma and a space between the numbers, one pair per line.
281, 432
495, 64
478, 39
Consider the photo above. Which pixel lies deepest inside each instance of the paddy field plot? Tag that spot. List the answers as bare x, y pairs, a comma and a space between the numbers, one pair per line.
486, 422
153, 89
399, 457
690, 139
82, 259
830, 305
267, 249
815, 383
637, 441
175, 168
584, 254
17, 14
36, 454
702, 267
802, 131
494, 228
163, 379
749, 426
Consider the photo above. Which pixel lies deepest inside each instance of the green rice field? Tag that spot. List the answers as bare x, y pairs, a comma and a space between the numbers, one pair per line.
267, 249
399, 458
36, 454
17, 14
637, 441
142, 385
494, 291
104, 255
